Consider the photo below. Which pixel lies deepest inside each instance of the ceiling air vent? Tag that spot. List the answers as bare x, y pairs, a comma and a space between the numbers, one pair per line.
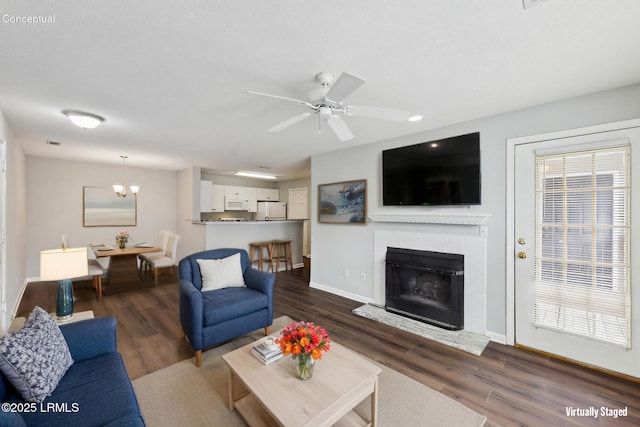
56, 143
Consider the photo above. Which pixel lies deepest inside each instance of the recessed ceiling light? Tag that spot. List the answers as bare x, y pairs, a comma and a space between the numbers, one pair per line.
82, 119
415, 118
255, 175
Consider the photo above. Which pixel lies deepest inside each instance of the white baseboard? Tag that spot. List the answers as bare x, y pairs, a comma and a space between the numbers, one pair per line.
341, 293
499, 338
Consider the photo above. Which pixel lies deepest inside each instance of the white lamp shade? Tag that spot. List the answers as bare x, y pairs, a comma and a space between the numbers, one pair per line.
60, 264
134, 189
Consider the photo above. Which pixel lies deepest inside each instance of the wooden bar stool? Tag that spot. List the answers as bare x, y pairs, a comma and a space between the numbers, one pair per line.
282, 252
256, 253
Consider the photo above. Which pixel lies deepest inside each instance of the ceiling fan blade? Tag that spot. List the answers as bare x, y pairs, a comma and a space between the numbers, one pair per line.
377, 113
298, 101
340, 128
289, 122
343, 87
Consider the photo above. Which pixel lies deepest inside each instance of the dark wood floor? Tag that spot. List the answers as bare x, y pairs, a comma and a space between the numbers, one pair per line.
510, 386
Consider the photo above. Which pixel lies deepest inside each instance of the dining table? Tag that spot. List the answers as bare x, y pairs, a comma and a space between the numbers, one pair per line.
124, 273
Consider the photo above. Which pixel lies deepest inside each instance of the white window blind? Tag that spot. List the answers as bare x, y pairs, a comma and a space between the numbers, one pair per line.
582, 244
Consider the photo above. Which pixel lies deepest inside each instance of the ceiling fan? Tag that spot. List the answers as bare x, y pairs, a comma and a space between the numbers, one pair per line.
327, 102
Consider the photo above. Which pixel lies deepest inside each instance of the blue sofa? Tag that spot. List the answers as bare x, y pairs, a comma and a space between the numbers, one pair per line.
213, 317
95, 390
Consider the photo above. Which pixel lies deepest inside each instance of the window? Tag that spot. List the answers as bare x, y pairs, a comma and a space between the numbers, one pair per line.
582, 243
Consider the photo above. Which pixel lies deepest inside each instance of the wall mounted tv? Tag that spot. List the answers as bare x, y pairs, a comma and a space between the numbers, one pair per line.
434, 173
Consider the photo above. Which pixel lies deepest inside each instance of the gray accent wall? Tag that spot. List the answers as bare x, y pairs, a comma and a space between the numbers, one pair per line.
336, 248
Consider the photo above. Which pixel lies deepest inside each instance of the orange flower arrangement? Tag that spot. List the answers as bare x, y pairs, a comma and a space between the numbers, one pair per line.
300, 338
305, 342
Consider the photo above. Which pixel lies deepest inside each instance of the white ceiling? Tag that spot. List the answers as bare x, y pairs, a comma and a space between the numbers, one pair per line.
170, 76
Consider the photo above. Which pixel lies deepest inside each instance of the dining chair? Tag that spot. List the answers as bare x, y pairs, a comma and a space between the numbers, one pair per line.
167, 261
163, 240
97, 270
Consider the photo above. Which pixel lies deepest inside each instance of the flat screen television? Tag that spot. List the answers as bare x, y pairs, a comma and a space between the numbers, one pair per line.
435, 173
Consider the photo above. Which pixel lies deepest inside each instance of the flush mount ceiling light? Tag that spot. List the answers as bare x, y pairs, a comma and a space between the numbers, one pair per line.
415, 118
83, 120
255, 175
121, 189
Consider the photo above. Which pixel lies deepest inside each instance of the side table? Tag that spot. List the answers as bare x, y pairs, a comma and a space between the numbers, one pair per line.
18, 322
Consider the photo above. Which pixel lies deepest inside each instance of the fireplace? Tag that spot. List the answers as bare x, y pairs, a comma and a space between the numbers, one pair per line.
427, 286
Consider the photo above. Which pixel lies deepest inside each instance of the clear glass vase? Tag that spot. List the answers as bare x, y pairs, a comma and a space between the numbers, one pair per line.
304, 364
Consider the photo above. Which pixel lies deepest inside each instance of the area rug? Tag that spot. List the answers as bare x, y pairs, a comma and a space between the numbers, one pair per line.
184, 395
468, 341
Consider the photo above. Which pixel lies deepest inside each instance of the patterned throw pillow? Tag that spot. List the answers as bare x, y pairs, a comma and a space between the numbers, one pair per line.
35, 358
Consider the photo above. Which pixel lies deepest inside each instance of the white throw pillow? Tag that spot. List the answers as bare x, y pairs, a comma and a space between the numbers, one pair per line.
221, 273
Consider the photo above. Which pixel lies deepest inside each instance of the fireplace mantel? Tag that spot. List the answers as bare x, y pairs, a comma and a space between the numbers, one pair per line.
431, 218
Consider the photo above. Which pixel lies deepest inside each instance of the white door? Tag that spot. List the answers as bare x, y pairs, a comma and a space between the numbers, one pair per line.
574, 248
298, 203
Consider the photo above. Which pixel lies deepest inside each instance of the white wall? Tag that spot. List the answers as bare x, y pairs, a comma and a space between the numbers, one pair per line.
54, 192
339, 247
15, 268
192, 236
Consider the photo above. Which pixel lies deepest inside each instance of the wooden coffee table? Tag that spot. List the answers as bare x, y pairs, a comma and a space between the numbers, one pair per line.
271, 395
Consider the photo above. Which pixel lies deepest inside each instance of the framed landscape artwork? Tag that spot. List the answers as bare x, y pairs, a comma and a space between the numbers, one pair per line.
102, 208
343, 202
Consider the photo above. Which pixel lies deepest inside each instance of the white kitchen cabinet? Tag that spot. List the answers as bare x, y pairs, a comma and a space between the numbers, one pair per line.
268, 194
211, 197
233, 191
217, 198
252, 199
205, 196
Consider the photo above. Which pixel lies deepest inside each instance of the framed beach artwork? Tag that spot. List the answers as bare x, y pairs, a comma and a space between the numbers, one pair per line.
343, 202
102, 208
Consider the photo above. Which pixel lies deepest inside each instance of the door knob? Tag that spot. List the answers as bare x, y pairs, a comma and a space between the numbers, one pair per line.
522, 255
521, 241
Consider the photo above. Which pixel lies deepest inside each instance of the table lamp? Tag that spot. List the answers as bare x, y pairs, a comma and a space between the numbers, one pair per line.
63, 265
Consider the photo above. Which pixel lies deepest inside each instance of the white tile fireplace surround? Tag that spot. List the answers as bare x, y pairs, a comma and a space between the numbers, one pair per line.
474, 249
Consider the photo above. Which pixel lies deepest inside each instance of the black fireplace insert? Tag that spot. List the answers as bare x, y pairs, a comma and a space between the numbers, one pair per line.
427, 286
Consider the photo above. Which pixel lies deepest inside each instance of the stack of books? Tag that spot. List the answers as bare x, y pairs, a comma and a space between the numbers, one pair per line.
267, 354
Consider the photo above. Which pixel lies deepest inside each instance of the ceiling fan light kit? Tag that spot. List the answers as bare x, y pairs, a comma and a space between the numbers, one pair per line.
327, 100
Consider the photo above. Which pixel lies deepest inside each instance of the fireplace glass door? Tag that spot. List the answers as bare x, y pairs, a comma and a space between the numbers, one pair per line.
427, 286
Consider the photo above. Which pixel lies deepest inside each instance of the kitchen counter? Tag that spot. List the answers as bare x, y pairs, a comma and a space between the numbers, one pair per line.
288, 221
238, 234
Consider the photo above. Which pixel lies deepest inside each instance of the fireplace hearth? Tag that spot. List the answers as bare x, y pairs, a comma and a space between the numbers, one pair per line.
426, 286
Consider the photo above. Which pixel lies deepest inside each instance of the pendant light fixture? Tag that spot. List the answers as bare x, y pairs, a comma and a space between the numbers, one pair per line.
121, 189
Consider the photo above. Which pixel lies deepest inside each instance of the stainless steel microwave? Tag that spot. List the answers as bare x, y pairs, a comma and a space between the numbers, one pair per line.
235, 204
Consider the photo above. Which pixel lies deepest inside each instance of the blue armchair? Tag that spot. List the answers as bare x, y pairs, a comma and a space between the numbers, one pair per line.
213, 317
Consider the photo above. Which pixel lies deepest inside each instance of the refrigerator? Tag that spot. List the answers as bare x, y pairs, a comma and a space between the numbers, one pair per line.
271, 211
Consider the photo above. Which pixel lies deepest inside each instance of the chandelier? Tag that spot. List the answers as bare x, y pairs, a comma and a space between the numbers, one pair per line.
121, 189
